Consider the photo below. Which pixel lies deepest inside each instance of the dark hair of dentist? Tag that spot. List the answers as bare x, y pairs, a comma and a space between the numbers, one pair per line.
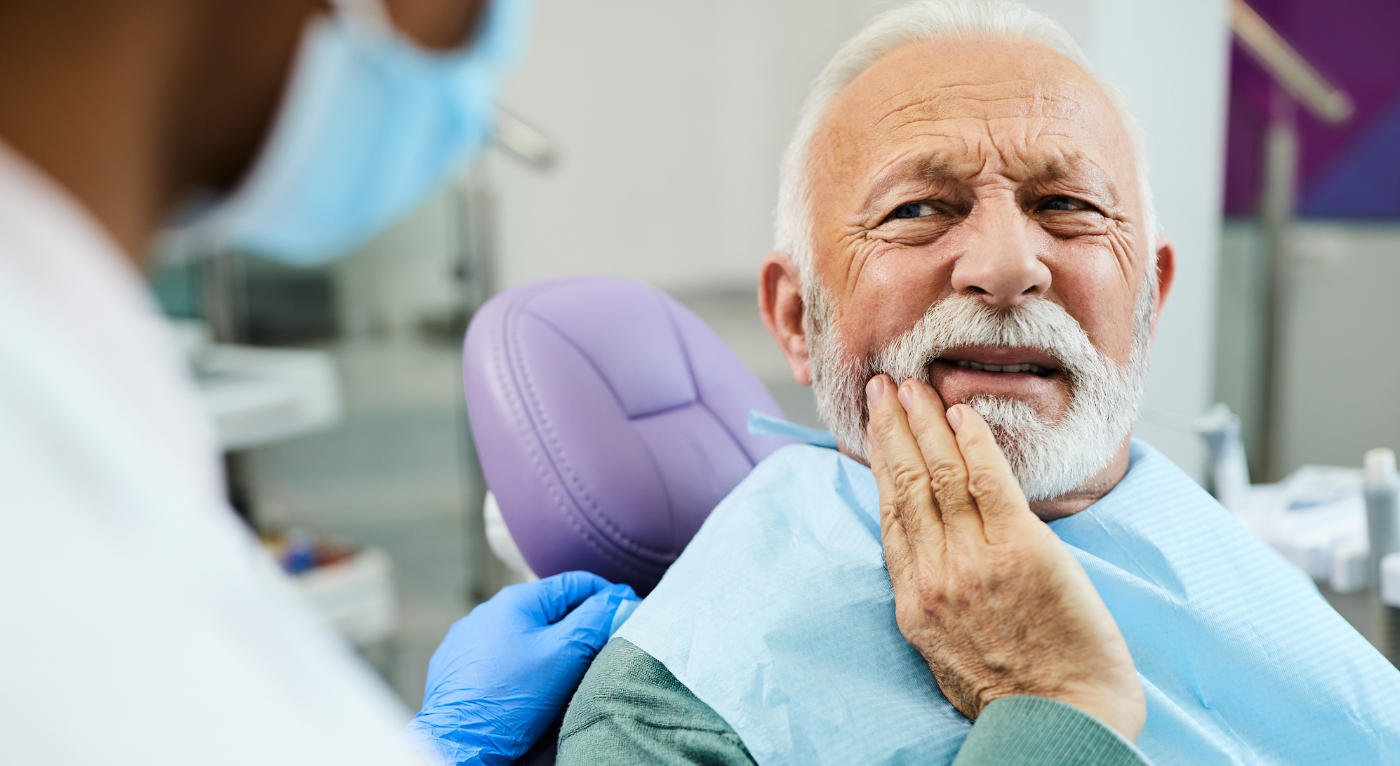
131, 106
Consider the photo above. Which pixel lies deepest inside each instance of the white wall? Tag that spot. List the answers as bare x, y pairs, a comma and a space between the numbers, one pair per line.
670, 117
1337, 392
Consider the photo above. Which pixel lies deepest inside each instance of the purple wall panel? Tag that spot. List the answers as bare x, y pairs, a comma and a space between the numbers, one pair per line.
1354, 43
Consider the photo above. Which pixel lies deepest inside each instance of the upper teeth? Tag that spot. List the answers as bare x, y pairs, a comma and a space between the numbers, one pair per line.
1031, 368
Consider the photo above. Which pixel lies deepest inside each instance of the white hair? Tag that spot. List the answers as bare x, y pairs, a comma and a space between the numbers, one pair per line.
925, 20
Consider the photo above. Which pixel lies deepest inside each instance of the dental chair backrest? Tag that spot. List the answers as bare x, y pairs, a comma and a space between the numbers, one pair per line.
610, 421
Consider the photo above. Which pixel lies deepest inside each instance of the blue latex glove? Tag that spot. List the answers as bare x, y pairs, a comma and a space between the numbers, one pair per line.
506, 671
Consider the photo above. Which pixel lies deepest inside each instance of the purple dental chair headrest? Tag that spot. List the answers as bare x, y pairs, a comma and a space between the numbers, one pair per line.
610, 421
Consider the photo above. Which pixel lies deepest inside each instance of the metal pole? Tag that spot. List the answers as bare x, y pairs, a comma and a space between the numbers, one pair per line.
1296, 81
468, 217
1277, 209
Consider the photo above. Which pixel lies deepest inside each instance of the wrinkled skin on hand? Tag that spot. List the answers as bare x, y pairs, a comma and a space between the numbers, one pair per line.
983, 589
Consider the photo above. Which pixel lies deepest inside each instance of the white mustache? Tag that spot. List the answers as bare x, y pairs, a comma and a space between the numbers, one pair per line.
966, 320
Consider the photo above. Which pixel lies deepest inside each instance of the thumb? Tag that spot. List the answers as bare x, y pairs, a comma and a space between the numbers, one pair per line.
590, 625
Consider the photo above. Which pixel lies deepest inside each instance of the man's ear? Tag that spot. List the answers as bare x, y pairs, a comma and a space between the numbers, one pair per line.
780, 303
1166, 274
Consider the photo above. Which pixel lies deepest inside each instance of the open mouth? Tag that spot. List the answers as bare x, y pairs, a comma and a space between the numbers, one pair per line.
1028, 375
1024, 367
1003, 361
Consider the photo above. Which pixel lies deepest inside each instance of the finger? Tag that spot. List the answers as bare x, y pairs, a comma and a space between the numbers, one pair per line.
990, 479
898, 559
946, 468
548, 600
907, 493
589, 626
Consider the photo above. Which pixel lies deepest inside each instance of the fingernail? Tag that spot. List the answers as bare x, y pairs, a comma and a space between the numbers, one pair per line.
874, 392
955, 416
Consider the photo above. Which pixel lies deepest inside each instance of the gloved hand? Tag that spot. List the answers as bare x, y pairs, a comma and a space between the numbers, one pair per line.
506, 671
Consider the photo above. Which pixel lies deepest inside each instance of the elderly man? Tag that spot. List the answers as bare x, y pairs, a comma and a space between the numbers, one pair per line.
965, 211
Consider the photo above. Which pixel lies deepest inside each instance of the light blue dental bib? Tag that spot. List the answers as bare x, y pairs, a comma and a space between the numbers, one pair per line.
780, 617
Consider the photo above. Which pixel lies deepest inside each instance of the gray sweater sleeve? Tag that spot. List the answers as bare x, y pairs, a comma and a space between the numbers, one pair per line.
630, 711
1035, 731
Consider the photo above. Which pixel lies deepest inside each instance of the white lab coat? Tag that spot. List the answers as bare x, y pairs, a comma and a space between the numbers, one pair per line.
139, 622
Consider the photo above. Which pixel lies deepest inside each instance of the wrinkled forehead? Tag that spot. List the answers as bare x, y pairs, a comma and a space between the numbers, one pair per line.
974, 105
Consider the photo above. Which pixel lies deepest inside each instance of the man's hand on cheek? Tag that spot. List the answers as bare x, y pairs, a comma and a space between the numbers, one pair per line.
983, 589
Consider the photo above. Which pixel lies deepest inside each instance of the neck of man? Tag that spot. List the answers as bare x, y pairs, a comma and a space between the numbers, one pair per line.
1090, 491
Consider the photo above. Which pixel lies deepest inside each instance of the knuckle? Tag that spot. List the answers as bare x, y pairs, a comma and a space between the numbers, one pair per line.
908, 620
945, 473
932, 591
982, 481
969, 579
912, 483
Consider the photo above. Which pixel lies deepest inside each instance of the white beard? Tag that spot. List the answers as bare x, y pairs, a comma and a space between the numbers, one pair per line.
1049, 458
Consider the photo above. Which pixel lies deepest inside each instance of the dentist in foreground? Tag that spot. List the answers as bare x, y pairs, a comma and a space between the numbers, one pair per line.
139, 621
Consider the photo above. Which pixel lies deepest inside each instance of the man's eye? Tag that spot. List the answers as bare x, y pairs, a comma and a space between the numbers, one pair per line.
1064, 205
912, 210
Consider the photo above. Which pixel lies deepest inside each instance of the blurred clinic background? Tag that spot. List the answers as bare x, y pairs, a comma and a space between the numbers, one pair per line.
642, 140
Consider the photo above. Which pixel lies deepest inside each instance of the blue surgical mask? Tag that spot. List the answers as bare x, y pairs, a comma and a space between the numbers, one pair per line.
370, 126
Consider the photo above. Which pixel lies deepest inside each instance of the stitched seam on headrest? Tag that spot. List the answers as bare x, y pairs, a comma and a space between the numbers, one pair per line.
621, 403
719, 422
566, 469
557, 450
685, 350
699, 395
532, 447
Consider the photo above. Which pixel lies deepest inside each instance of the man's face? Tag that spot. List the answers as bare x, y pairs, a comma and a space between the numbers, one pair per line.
998, 174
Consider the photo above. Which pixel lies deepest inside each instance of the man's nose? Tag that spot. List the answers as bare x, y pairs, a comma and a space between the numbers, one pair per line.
1000, 263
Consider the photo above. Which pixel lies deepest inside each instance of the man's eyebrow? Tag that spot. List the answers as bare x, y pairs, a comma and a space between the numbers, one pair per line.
923, 168
1077, 171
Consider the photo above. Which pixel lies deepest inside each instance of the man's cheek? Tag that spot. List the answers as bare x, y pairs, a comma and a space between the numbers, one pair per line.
896, 287
1098, 286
